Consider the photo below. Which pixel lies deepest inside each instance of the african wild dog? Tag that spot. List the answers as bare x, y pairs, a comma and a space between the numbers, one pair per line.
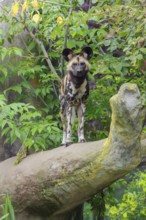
74, 92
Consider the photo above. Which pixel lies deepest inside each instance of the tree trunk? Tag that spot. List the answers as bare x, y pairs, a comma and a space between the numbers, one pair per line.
48, 185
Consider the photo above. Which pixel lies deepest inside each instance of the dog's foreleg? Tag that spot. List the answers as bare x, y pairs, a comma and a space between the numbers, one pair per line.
63, 119
70, 119
81, 113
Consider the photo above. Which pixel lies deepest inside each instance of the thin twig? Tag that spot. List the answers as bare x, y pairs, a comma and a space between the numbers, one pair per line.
142, 5
32, 88
66, 36
55, 3
40, 43
100, 48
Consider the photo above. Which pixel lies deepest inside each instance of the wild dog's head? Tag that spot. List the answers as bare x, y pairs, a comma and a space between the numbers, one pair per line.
78, 64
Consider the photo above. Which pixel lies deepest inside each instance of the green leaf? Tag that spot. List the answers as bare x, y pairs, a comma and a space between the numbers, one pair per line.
107, 42
4, 70
18, 51
17, 88
4, 217
117, 67
139, 56
5, 131
17, 133
2, 100
4, 53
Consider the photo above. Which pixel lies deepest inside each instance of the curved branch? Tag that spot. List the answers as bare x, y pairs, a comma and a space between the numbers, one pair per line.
54, 182
40, 43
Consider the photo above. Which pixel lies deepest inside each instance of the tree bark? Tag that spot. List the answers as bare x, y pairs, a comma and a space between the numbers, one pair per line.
49, 184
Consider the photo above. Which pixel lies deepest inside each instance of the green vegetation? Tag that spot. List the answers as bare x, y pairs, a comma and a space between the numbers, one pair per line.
8, 210
131, 202
24, 122
116, 31
123, 200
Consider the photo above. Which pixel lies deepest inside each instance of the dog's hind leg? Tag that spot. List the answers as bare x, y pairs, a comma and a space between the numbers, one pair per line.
81, 112
63, 119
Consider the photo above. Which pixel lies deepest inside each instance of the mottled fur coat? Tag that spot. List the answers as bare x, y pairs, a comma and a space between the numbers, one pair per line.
74, 92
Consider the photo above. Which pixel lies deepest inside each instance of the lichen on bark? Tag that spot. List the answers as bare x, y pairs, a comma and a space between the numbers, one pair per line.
54, 182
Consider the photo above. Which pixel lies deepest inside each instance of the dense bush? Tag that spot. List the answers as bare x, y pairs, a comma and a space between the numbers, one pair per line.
130, 203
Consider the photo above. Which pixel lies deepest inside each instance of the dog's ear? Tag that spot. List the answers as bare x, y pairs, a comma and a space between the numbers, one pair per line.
87, 52
67, 54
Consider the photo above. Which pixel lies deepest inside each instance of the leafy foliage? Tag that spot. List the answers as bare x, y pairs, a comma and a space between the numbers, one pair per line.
131, 202
123, 200
8, 210
24, 122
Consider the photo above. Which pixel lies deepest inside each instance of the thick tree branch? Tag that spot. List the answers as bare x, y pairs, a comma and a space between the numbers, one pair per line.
54, 182
143, 147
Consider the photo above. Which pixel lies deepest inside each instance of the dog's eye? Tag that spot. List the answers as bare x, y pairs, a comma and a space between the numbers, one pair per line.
74, 64
82, 63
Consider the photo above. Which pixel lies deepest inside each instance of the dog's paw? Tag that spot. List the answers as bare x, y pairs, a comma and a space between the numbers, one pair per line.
82, 141
67, 144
